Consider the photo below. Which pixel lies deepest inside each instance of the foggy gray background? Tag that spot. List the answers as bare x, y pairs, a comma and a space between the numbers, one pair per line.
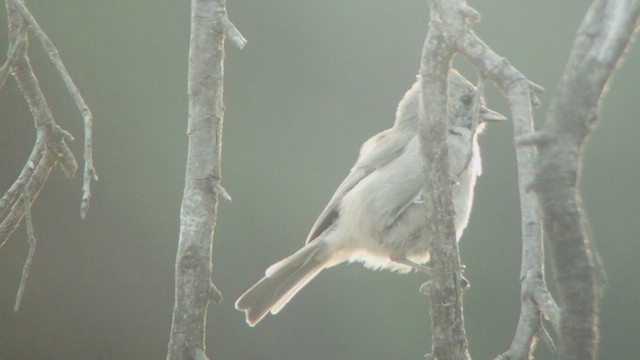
316, 79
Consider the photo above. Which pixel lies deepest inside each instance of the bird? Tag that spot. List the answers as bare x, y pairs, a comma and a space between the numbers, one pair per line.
376, 216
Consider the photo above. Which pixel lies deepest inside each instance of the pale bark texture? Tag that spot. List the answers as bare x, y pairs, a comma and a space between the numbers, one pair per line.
605, 33
448, 334
193, 269
450, 33
50, 147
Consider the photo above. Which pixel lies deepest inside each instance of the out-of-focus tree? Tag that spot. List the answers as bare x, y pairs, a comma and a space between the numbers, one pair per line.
50, 147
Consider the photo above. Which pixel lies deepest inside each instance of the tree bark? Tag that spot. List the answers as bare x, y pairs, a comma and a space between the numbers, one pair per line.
602, 38
193, 269
448, 334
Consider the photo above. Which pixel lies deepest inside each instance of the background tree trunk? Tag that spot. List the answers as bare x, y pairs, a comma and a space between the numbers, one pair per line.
601, 41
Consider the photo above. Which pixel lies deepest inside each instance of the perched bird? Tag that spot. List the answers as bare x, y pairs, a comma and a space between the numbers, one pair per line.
376, 215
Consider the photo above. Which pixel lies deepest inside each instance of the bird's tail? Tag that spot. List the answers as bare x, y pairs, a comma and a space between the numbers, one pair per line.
283, 280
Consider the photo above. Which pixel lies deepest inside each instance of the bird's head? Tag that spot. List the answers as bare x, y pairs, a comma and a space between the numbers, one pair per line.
466, 106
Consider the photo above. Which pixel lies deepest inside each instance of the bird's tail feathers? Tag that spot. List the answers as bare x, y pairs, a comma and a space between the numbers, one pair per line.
283, 280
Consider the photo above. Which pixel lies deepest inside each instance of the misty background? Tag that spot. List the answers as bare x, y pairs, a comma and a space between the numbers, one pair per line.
316, 79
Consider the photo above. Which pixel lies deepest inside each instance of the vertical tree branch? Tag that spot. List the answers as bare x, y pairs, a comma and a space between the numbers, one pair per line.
602, 38
534, 295
193, 269
456, 17
448, 334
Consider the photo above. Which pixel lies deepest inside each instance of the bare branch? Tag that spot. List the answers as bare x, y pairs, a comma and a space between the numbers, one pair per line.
230, 30
448, 335
521, 94
31, 238
39, 177
214, 294
54, 56
545, 302
50, 147
455, 17
193, 270
17, 46
221, 191
27, 171
53, 135
601, 41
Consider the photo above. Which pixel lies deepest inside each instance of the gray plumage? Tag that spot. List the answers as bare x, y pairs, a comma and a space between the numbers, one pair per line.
376, 215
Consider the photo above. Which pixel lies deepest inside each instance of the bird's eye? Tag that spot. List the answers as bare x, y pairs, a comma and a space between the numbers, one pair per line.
466, 99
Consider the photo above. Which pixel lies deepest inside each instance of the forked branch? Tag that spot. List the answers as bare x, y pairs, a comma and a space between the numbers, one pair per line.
452, 20
50, 147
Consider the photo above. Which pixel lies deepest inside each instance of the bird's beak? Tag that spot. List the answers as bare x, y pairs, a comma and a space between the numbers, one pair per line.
489, 115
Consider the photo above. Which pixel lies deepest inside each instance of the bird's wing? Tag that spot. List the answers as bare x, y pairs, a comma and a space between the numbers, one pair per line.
374, 153
416, 198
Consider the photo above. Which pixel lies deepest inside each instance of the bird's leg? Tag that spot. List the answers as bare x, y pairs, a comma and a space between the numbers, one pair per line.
424, 288
402, 259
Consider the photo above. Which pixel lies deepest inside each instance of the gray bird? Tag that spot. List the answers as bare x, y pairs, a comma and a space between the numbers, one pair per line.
376, 215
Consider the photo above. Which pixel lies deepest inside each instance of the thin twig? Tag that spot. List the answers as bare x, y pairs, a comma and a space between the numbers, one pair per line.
31, 238
39, 177
232, 33
26, 173
17, 46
